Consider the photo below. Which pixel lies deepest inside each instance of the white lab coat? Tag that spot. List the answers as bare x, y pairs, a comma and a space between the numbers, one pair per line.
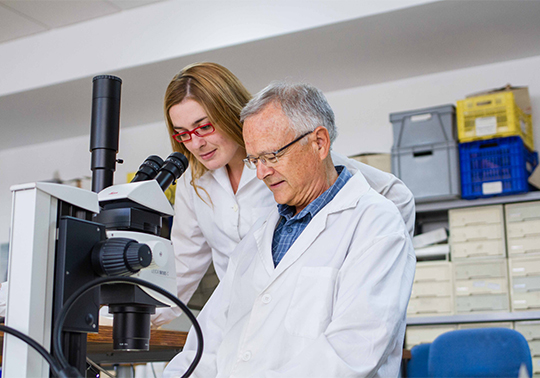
335, 306
202, 233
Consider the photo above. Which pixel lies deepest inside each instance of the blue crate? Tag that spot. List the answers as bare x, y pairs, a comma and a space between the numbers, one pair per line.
492, 167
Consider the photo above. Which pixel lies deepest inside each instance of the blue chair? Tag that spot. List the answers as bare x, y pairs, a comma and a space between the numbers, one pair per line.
482, 352
417, 366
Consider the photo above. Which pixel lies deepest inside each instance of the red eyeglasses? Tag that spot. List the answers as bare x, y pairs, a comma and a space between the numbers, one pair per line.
200, 131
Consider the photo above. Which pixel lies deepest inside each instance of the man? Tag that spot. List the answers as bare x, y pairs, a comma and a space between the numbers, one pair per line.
320, 287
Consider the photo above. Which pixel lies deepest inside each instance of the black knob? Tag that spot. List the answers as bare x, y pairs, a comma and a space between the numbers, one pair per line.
138, 256
120, 257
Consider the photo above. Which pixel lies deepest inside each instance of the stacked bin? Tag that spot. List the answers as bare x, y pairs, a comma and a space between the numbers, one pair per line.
496, 146
432, 290
523, 240
531, 331
425, 334
425, 152
477, 242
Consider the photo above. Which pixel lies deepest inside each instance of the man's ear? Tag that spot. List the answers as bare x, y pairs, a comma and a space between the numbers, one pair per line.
322, 141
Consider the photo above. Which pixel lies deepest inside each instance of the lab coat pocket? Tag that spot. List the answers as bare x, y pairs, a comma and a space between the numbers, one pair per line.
311, 306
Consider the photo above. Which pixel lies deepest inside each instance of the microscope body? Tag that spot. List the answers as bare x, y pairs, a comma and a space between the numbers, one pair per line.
57, 244
63, 238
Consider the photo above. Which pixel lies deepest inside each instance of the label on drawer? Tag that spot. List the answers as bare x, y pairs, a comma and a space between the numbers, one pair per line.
485, 126
494, 187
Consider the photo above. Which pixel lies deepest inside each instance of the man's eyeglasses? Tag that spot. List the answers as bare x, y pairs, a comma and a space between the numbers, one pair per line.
200, 131
270, 158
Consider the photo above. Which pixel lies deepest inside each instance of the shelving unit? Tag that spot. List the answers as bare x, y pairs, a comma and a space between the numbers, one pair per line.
429, 207
435, 214
475, 318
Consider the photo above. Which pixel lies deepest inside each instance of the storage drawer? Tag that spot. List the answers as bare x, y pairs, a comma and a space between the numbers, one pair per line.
524, 266
480, 269
430, 306
481, 303
431, 289
525, 284
524, 211
536, 365
523, 246
476, 233
508, 325
526, 301
486, 248
523, 229
425, 334
534, 346
475, 216
440, 271
531, 330
482, 286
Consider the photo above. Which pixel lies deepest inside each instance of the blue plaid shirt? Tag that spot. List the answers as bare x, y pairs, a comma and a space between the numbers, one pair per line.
290, 226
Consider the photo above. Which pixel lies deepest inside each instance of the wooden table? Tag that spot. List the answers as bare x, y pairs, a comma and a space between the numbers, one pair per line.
164, 345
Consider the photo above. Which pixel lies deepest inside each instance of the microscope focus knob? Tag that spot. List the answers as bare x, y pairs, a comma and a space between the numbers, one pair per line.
120, 257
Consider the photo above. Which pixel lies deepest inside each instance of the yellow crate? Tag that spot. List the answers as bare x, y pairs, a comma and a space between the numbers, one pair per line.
493, 116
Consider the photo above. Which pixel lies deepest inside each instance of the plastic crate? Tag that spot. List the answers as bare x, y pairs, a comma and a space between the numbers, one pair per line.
493, 116
493, 167
431, 172
424, 126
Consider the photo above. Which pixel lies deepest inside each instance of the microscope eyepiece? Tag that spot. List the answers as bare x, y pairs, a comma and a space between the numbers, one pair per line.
148, 169
174, 166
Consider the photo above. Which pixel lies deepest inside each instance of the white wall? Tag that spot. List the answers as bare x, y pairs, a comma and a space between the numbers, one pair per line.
362, 116
70, 158
362, 113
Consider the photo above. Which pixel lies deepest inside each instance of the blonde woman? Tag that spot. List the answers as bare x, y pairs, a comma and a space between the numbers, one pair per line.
218, 199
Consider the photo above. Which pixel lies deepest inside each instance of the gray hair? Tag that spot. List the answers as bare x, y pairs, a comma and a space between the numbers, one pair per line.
304, 105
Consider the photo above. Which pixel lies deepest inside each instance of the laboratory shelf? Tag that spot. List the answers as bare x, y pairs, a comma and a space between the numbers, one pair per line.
455, 204
475, 318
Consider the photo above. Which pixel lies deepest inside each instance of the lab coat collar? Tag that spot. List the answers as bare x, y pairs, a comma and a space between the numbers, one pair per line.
347, 197
222, 178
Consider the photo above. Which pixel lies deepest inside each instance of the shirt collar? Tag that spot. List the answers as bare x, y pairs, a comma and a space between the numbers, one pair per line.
316, 205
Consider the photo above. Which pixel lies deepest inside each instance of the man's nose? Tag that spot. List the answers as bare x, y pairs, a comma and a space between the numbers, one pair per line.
263, 171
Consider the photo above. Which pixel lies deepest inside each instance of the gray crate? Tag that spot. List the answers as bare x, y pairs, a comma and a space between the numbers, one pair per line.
431, 172
424, 126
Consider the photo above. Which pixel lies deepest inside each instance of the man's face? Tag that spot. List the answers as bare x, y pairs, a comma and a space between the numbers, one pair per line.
296, 178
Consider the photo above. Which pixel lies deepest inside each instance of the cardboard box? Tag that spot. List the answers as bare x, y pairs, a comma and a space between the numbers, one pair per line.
521, 96
377, 160
534, 178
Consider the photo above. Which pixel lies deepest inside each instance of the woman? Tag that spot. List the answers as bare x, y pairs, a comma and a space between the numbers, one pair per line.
218, 199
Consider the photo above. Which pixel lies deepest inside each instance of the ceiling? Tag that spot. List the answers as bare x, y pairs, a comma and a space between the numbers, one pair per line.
22, 18
415, 41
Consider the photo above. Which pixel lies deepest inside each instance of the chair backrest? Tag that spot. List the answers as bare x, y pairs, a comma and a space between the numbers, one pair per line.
417, 366
481, 352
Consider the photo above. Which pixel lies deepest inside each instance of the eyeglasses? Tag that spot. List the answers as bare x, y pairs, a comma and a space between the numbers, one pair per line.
200, 131
270, 158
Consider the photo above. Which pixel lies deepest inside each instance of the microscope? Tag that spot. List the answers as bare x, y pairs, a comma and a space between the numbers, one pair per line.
63, 238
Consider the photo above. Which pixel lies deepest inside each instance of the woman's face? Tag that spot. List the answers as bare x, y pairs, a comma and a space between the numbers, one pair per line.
213, 151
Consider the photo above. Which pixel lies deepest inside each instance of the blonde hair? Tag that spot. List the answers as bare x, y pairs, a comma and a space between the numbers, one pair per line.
221, 95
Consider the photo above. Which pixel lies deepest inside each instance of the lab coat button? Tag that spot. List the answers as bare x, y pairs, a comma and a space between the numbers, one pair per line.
246, 356
266, 298
235, 208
